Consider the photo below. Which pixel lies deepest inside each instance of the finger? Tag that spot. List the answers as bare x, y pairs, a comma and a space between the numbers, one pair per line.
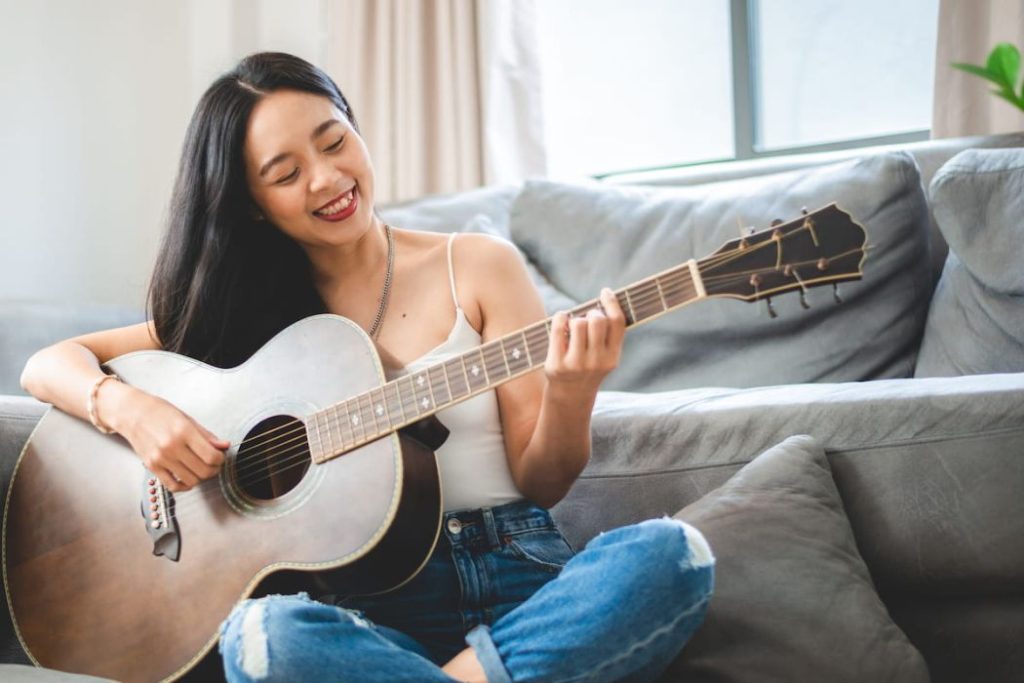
597, 331
577, 340
616, 318
183, 472
210, 456
222, 444
559, 341
169, 481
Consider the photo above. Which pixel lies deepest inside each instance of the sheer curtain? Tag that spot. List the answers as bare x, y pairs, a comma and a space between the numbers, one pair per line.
446, 92
963, 103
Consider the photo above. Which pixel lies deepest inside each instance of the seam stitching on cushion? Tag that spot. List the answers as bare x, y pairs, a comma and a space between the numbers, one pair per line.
880, 445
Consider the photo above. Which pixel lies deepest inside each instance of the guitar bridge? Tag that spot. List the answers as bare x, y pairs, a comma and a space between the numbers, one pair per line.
157, 508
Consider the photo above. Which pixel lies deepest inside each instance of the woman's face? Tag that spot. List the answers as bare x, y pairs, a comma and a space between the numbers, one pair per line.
308, 170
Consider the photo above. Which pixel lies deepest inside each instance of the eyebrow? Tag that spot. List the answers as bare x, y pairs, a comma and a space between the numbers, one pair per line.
317, 132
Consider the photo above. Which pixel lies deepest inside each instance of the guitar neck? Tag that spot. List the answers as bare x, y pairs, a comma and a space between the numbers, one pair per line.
352, 423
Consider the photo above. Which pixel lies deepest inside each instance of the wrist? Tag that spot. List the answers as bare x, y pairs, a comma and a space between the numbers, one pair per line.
570, 395
111, 400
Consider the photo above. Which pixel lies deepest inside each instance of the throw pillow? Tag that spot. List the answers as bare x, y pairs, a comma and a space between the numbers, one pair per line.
976, 321
585, 236
793, 598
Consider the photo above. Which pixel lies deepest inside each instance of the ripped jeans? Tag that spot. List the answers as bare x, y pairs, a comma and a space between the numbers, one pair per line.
505, 581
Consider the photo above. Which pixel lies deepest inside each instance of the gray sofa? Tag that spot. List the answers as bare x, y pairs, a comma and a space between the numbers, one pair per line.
929, 468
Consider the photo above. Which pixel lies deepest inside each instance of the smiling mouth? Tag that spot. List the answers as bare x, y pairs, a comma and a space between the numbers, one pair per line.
337, 205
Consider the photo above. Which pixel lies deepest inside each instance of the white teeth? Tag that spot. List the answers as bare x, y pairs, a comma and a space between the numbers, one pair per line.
337, 206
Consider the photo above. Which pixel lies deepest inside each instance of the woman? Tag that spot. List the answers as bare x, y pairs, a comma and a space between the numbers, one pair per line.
273, 220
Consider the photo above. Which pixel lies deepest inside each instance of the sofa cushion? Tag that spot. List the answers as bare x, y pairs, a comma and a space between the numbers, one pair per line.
585, 236
27, 326
976, 321
793, 598
484, 210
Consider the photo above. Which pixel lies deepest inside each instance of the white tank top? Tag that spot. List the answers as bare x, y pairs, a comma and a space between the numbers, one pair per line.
473, 464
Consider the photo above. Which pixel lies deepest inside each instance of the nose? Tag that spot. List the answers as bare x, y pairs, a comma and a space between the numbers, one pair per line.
324, 176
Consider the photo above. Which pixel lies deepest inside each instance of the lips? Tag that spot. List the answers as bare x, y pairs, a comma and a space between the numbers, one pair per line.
339, 208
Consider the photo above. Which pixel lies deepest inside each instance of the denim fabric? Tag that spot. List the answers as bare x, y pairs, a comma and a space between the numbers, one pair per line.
505, 581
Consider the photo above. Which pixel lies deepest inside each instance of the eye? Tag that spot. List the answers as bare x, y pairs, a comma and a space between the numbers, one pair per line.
287, 178
336, 145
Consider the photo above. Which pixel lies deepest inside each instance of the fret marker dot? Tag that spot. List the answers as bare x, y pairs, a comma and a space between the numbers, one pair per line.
426, 403
475, 370
380, 410
419, 380
516, 353
355, 419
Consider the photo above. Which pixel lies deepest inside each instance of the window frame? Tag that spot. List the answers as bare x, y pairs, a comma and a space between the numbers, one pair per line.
747, 116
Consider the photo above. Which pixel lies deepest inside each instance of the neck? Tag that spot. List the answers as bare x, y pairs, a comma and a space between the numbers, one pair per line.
360, 260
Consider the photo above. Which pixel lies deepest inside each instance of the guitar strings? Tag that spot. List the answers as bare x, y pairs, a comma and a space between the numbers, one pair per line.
641, 296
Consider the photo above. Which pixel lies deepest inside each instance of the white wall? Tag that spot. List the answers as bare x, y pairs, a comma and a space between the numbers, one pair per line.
94, 101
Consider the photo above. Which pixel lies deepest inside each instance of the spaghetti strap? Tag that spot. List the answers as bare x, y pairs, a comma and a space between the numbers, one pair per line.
451, 271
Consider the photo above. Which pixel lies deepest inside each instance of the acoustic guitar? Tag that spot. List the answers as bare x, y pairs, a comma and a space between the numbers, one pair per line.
331, 471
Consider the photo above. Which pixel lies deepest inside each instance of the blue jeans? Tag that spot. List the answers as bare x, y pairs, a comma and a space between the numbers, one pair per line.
505, 581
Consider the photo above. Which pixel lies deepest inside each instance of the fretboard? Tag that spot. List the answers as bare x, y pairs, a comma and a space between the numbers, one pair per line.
356, 421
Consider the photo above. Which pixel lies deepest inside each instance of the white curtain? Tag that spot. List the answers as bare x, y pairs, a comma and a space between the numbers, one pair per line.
446, 92
968, 30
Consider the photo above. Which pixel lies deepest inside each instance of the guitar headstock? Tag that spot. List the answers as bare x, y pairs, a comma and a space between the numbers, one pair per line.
822, 247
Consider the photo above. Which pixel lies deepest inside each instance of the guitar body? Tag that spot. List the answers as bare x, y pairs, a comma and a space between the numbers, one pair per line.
87, 590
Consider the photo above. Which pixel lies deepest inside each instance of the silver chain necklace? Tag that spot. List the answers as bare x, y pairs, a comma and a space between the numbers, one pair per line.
375, 328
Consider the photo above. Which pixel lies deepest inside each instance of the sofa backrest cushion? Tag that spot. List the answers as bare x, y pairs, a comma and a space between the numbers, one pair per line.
583, 237
976, 321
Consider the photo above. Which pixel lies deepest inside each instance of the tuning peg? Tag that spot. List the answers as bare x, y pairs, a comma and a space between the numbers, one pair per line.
803, 210
771, 309
803, 300
835, 293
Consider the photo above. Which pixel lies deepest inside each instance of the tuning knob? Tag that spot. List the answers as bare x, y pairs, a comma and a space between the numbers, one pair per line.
771, 309
835, 293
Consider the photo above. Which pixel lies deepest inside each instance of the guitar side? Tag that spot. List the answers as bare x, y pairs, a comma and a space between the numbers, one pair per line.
86, 590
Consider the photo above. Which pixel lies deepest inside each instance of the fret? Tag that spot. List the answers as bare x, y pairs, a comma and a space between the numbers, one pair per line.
630, 313
447, 381
477, 377
342, 423
643, 302
661, 294
421, 390
676, 291
455, 371
538, 342
355, 421
526, 345
504, 357
439, 390
409, 400
373, 412
394, 403
381, 406
494, 362
515, 359
313, 434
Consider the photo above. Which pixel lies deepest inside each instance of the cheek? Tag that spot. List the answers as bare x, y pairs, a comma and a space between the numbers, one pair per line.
285, 204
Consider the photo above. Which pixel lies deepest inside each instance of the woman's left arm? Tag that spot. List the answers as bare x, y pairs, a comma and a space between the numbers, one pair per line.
546, 416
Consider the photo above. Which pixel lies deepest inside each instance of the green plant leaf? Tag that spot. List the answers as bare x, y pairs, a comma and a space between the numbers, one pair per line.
1004, 62
979, 71
1011, 98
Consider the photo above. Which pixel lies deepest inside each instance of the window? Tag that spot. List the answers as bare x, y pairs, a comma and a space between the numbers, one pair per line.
657, 83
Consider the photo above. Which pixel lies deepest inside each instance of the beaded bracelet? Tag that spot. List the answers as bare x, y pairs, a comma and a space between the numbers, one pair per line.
91, 404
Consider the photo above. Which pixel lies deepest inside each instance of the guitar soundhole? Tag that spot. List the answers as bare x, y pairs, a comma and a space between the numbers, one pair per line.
273, 458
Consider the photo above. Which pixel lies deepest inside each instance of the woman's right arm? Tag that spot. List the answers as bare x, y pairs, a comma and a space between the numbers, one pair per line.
174, 447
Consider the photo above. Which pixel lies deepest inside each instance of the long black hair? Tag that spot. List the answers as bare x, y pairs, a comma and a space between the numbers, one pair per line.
226, 281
